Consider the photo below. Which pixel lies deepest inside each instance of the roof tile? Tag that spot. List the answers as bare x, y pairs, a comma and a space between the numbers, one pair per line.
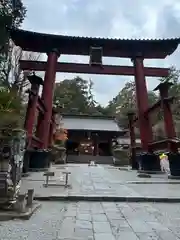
93, 124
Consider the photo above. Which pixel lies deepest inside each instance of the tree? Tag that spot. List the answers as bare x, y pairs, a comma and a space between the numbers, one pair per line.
125, 101
10, 110
73, 96
91, 102
18, 79
10, 104
8, 17
105, 111
76, 96
173, 77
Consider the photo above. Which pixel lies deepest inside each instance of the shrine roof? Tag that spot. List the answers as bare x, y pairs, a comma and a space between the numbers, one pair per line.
91, 123
74, 45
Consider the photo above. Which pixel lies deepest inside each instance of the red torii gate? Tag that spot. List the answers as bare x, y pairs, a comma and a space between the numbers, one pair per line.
171, 142
136, 50
37, 108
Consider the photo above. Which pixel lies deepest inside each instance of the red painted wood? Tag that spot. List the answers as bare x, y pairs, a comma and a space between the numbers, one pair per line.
39, 128
41, 105
168, 117
164, 144
142, 103
36, 142
47, 97
31, 111
86, 68
154, 107
73, 45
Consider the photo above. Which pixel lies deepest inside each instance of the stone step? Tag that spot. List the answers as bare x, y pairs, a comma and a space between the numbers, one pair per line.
87, 159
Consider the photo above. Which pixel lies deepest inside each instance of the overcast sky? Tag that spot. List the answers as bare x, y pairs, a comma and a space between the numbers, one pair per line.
107, 18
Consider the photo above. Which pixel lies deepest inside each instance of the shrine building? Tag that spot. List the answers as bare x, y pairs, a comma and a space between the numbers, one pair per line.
90, 137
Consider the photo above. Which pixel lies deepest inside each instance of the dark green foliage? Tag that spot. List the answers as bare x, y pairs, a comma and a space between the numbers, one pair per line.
9, 17
11, 110
75, 96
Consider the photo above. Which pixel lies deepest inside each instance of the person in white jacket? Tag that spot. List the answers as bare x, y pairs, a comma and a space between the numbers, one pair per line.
164, 163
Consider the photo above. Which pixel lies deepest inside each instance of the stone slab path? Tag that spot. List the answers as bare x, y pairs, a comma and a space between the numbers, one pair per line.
104, 181
97, 221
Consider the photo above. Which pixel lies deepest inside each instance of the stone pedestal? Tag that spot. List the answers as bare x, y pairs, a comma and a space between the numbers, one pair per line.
134, 161
120, 157
26, 160
149, 162
12, 146
59, 154
30, 197
174, 164
21, 203
40, 159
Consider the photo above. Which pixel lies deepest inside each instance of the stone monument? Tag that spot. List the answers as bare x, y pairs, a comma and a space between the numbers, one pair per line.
12, 146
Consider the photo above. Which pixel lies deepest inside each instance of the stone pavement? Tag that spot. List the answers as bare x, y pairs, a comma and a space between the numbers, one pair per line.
97, 221
87, 220
103, 181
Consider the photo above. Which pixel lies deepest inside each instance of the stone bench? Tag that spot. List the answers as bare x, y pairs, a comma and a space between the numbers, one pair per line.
66, 173
52, 174
48, 175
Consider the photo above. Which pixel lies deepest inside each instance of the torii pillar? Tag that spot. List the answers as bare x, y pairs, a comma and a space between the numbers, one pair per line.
148, 162
142, 103
30, 116
168, 117
32, 106
173, 155
47, 96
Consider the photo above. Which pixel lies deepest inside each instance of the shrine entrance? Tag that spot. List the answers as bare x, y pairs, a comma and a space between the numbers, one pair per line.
90, 137
72, 147
78, 148
96, 48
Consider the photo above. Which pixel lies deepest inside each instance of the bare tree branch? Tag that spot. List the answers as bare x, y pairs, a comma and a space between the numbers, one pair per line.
18, 77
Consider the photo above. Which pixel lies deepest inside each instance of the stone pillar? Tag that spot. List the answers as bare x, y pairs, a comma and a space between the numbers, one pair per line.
47, 96
32, 105
30, 197
133, 161
168, 118
142, 103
